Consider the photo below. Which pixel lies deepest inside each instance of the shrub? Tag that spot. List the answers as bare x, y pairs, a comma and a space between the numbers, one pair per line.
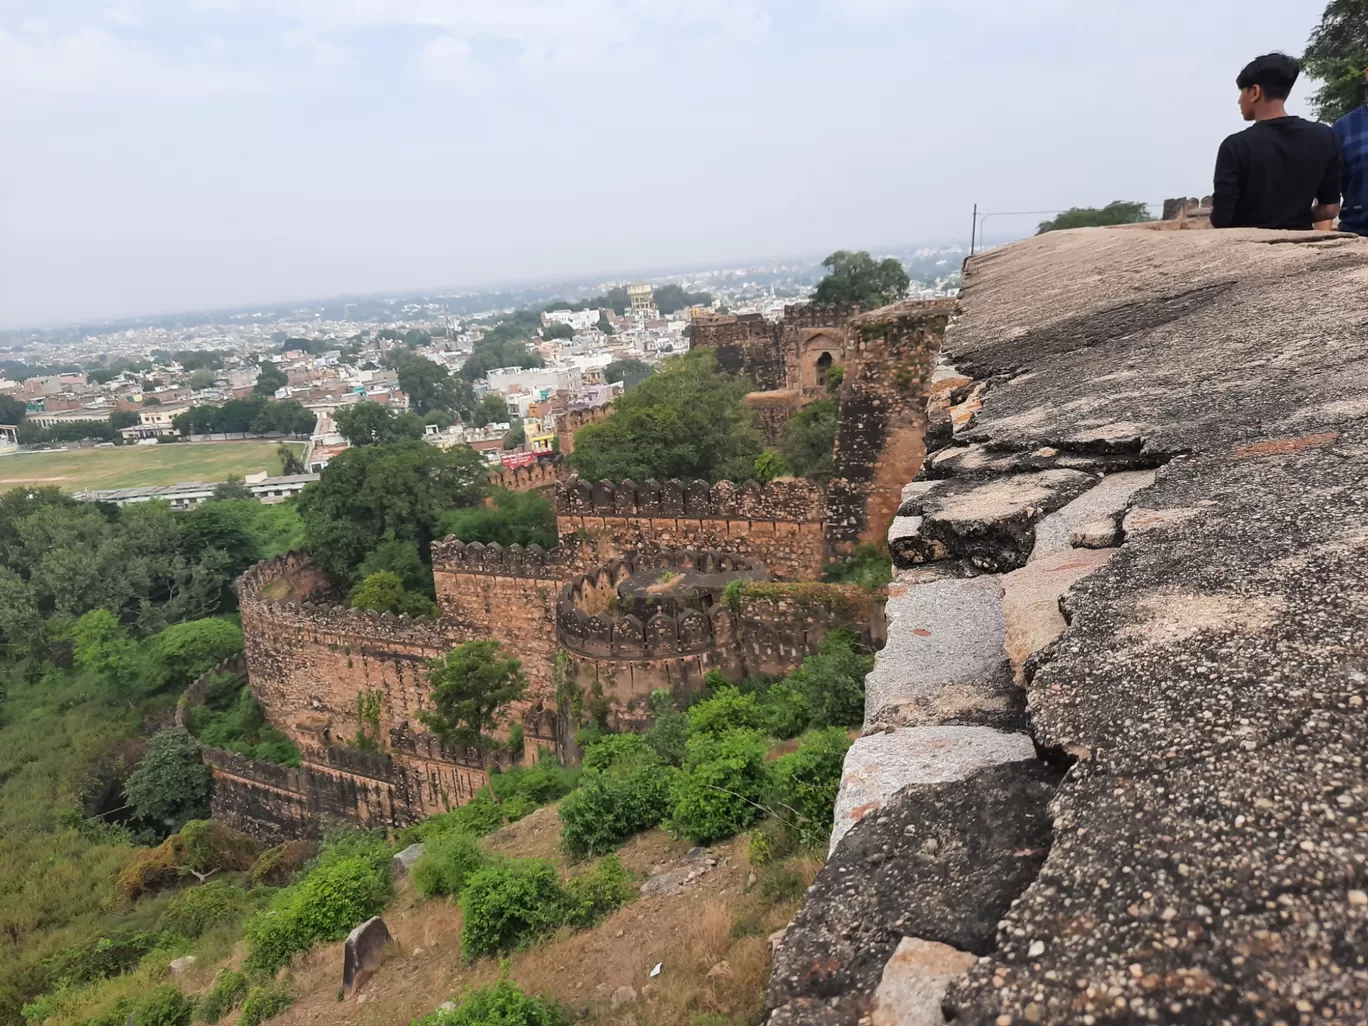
118, 1015
105, 958
229, 988
610, 807
448, 861
669, 729
210, 845
195, 910
264, 1003
616, 749
232, 718
189, 649
165, 1006
506, 906
277, 865
498, 1004
807, 780
545, 782
728, 709
724, 781
781, 882
592, 897
832, 682
783, 712
347, 887
771, 841
171, 784
478, 817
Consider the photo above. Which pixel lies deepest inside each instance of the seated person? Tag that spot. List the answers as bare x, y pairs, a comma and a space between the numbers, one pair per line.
1352, 130
1283, 171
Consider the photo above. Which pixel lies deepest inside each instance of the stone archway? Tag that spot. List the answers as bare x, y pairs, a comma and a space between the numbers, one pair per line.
823, 366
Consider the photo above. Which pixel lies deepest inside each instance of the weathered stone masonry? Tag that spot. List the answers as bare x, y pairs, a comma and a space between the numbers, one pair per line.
314, 665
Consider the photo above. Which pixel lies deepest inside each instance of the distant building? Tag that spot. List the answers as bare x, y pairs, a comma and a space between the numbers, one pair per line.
189, 494
154, 421
643, 300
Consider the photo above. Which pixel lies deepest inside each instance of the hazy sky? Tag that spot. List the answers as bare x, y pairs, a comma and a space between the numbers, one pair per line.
157, 155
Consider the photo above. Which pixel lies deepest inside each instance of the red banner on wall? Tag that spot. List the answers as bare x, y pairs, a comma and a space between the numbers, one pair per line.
518, 459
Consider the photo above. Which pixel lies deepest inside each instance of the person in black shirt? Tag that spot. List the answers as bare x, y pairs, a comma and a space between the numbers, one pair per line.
1284, 171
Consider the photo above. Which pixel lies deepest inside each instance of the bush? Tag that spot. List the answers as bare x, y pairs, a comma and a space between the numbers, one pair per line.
727, 709
541, 784
807, 780
165, 1006
772, 841
193, 911
783, 712
506, 906
616, 749
264, 1003
118, 1015
347, 887
229, 988
610, 807
724, 781
832, 682
498, 1004
669, 729
478, 817
186, 650
232, 718
448, 861
105, 958
171, 785
592, 897
210, 845
277, 865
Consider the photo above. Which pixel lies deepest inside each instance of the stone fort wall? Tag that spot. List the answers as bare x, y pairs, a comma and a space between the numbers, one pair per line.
778, 525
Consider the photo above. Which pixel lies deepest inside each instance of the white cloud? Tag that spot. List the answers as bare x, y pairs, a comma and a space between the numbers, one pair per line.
447, 59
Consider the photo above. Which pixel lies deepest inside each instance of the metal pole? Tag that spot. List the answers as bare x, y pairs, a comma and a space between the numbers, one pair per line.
973, 234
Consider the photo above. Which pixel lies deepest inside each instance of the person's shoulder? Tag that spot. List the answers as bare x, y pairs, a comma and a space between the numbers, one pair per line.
1356, 119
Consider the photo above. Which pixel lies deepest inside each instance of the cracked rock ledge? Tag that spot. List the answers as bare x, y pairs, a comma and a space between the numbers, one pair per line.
1112, 766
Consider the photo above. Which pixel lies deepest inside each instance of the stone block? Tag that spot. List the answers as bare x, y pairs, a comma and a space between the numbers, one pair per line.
1108, 498
1030, 600
363, 953
402, 863
914, 981
879, 766
944, 658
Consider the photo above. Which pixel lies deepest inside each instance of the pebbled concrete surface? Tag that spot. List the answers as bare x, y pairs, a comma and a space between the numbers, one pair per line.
1103, 501
1210, 857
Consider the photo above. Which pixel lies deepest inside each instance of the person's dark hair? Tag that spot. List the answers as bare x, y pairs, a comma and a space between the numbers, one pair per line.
1275, 72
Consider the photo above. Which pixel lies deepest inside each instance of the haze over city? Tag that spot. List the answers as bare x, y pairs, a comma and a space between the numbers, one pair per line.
173, 155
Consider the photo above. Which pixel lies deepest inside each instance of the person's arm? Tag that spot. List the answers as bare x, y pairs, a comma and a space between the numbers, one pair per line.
1327, 206
1226, 192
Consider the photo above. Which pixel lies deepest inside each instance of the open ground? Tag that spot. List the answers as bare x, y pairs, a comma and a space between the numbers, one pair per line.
133, 465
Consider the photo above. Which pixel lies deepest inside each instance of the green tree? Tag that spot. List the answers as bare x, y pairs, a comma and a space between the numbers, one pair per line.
673, 298
856, 278
11, 410
100, 644
517, 435
366, 423
386, 492
688, 420
1115, 212
504, 345
194, 647
270, 379
558, 330
470, 684
402, 559
491, 409
234, 488
769, 465
384, 592
120, 419
515, 518
288, 417
430, 386
408, 425
604, 325
202, 378
1337, 55
170, 784
630, 372
290, 463
441, 418
21, 624
809, 441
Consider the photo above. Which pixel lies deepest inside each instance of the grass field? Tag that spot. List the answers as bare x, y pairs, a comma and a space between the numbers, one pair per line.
133, 465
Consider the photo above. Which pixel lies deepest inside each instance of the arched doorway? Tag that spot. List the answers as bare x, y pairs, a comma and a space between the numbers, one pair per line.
823, 366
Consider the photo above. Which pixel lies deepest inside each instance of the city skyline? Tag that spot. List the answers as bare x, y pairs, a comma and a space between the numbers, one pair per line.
214, 153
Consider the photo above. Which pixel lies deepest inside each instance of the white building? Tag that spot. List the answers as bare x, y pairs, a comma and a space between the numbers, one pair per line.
580, 320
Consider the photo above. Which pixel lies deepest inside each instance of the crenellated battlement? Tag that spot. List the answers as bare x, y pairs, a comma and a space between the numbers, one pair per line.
792, 500
542, 474
452, 555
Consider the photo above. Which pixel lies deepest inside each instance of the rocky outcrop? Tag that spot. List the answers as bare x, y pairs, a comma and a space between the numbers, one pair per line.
1136, 546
